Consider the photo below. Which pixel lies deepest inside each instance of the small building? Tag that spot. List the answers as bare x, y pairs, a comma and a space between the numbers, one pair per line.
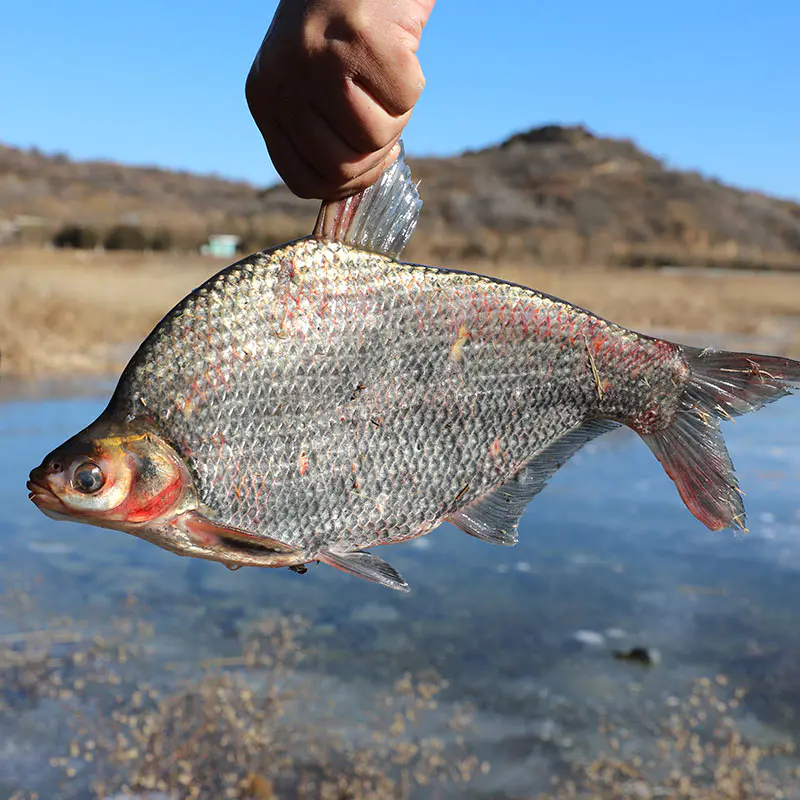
221, 245
23, 229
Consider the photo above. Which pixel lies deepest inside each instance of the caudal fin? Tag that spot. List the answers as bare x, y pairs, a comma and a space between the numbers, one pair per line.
722, 385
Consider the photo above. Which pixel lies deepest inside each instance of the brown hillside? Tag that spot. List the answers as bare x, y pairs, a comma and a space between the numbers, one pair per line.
553, 195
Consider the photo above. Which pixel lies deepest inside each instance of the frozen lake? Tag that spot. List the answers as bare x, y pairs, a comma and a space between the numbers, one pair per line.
608, 559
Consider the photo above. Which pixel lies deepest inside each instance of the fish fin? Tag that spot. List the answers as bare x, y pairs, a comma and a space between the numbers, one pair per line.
209, 532
365, 565
692, 451
382, 218
495, 516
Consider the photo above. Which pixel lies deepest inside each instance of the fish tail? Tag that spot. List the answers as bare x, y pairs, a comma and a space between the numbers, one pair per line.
721, 385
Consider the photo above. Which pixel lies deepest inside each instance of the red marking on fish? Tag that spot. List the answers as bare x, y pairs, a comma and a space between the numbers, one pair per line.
155, 506
303, 462
647, 421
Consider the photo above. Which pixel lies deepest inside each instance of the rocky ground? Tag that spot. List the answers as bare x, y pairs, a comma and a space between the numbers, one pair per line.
550, 195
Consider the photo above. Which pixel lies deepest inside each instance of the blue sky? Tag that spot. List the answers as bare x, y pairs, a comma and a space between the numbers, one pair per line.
712, 85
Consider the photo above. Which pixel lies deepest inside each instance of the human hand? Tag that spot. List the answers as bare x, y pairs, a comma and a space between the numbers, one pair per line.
332, 87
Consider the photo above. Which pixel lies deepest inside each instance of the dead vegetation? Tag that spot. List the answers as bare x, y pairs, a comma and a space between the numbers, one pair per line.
701, 755
82, 313
242, 727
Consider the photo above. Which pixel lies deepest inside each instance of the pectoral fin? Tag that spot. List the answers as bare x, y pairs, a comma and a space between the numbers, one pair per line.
365, 565
211, 534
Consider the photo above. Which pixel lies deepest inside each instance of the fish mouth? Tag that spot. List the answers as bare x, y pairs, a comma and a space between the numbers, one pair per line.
42, 497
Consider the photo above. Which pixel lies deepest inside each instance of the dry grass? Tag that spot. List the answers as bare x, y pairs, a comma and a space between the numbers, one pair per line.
64, 313
67, 313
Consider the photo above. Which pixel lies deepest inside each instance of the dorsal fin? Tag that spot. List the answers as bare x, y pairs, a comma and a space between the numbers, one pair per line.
495, 516
382, 218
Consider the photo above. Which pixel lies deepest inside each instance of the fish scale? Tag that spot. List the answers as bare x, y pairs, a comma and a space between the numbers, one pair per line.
322, 397
413, 438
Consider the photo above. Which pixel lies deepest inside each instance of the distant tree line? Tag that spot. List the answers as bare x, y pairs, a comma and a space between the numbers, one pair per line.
253, 237
120, 237
553, 247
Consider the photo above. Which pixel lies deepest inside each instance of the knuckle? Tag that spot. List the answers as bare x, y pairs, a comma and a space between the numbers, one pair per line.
304, 188
410, 26
361, 27
252, 91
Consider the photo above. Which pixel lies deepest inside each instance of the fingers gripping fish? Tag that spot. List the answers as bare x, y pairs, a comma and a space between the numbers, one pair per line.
322, 398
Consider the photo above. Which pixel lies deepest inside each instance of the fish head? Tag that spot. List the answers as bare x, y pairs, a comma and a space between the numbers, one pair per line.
113, 476
128, 477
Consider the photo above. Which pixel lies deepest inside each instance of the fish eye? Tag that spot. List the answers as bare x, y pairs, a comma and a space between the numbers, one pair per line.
88, 478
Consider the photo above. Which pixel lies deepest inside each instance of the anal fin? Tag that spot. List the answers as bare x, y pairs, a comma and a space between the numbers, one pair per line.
365, 565
495, 517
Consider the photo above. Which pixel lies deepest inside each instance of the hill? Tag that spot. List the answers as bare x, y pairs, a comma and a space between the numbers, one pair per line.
552, 195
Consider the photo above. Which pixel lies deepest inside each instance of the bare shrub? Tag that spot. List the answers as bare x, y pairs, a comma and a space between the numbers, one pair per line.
125, 237
80, 237
242, 729
702, 755
160, 240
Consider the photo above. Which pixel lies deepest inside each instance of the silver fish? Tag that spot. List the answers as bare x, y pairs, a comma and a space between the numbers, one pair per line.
321, 398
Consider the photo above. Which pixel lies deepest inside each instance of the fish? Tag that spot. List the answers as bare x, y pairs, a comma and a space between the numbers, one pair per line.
322, 398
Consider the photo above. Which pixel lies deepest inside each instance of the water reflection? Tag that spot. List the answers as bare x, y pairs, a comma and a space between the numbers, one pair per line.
607, 549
